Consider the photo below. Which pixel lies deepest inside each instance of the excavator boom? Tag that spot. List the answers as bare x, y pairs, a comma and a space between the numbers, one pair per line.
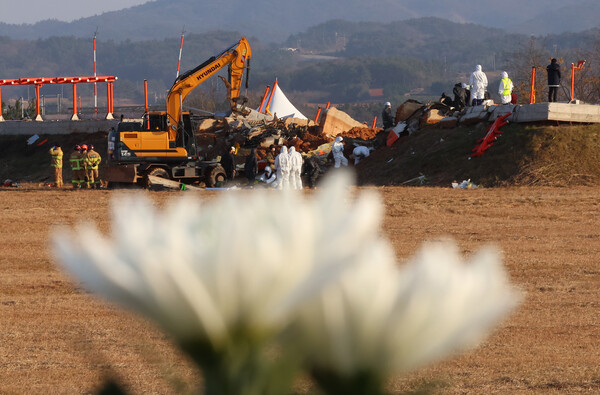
237, 57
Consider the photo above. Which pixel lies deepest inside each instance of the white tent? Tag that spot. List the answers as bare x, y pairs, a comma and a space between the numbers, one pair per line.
278, 103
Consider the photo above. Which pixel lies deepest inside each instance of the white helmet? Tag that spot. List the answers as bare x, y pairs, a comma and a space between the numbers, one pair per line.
387, 104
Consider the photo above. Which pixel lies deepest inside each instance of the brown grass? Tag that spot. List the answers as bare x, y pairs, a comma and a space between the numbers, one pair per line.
55, 338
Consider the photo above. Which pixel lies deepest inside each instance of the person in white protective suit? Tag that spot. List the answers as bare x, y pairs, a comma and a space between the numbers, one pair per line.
282, 167
479, 83
268, 177
338, 152
295, 168
360, 152
505, 89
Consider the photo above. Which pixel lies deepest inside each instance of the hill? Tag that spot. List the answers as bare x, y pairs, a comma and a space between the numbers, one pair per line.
569, 18
429, 54
272, 22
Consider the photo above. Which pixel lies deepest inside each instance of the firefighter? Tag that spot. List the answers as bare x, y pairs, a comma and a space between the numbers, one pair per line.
83, 151
91, 161
57, 162
77, 167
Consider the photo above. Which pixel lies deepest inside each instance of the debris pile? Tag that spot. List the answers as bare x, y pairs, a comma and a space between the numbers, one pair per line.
260, 131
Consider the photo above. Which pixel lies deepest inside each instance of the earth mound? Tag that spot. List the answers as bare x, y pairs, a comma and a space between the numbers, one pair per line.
541, 155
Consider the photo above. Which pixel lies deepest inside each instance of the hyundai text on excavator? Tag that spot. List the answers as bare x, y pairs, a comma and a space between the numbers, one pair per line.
164, 143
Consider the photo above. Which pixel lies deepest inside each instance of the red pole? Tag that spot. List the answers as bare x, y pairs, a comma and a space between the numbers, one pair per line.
112, 98
317, 116
264, 98
146, 109
37, 103
327, 106
108, 112
573, 68
532, 91
180, 50
74, 116
374, 122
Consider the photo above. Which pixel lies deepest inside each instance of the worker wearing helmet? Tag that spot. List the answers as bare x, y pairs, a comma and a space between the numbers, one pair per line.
91, 161
505, 89
57, 163
479, 83
77, 167
283, 167
338, 152
386, 116
360, 152
296, 162
268, 177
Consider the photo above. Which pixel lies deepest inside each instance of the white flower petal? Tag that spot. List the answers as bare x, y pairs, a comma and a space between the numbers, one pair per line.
397, 319
241, 261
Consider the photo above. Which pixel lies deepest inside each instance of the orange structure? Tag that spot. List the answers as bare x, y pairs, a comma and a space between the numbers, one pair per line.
573, 68
39, 82
532, 91
262, 102
318, 114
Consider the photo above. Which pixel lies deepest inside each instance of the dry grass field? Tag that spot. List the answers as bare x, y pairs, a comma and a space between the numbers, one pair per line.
55, 338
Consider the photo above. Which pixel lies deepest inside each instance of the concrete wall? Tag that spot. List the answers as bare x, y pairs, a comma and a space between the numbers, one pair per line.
537, 112
29, 128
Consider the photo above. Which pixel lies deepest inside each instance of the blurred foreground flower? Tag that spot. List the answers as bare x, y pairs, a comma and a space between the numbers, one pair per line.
230, 277
226, 276
382, 319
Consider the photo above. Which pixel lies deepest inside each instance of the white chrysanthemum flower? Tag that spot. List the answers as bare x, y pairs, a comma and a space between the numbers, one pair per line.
241, 263
380, 319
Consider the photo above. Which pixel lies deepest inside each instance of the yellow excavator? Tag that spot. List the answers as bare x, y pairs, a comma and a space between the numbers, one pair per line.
164, 143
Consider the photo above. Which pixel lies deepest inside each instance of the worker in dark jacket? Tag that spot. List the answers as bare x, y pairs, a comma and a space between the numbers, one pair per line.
228, 163
251, 166
386, 116
311, 170
553, 70
460, 96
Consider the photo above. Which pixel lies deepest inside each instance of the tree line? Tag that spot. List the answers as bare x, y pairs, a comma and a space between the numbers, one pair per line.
427, 53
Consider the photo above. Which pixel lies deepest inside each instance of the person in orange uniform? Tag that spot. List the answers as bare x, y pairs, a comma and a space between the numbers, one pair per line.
57, 162
91, 161
77, 167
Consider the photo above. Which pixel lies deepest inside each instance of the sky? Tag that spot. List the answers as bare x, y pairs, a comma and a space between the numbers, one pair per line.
31, 11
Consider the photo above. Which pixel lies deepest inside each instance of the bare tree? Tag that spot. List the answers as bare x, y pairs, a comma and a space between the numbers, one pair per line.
587, 80
526, 57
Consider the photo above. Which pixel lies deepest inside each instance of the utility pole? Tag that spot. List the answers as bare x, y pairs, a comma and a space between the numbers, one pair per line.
95, 87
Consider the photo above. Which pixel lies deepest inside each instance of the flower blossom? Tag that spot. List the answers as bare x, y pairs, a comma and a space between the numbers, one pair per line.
381, 319
241, 263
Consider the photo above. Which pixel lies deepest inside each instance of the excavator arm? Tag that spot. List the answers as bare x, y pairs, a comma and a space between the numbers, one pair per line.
237, 57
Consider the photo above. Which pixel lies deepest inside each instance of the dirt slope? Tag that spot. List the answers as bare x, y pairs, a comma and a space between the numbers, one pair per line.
522, 155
